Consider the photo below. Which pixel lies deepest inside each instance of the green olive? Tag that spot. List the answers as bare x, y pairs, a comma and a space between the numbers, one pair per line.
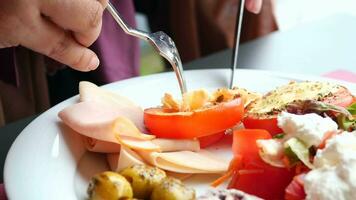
143, 179
109, 185
172, 189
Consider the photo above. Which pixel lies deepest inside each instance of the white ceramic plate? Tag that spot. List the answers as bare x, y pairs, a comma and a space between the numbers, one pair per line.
48, 161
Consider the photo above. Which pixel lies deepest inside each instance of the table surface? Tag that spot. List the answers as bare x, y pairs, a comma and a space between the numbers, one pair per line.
315, 48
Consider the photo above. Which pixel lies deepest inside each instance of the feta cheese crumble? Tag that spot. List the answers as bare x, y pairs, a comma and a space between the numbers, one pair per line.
335, 175
309, 128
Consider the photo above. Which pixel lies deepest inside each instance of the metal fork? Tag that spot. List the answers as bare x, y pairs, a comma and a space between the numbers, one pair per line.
162, 43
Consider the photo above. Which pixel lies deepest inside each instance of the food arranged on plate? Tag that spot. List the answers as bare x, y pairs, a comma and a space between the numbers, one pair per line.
295, 142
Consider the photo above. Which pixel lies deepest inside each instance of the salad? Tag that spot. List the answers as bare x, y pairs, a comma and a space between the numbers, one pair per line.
295, 142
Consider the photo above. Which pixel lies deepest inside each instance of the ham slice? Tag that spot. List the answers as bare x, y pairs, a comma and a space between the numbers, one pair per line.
186, 161
92, 119
99, 146
138, 144
98, 121
169, 145
126, 158
119, 104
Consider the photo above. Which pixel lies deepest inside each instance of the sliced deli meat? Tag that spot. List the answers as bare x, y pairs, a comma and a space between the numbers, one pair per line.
99, 146
186, 161
126, 158
90, 92
98, 121
169, 145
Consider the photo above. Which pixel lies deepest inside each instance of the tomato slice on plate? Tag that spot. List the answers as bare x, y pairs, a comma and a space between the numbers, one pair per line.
255, 176
209, 140
194, 124
342, 98
268, 124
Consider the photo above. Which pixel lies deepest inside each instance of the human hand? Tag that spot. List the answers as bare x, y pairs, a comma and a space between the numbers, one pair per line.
253, 6
59, 29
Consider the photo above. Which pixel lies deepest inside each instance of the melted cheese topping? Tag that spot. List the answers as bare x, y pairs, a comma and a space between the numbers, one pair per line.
200, 99
276, 100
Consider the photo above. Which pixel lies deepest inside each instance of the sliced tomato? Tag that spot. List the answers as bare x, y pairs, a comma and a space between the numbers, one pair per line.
244, 142
269, 124
209, 140
295, 190
255, 176
194, 124
342, 98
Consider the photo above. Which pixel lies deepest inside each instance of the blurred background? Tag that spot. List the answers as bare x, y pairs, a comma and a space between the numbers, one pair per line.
289, 15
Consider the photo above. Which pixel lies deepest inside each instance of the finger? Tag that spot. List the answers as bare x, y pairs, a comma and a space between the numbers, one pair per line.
253, 6
50, 40
104, 3
83, 17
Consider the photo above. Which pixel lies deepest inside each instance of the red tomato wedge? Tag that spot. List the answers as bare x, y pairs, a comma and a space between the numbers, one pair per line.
342, 98
244, 142
255, 176
209, 140
194, 124
268, 124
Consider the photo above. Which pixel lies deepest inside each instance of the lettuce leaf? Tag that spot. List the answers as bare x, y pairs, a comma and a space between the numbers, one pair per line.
346, 122
296, 150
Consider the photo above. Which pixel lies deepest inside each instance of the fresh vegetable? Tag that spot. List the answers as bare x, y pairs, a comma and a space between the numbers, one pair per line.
172, 189
209, 140
143, 179
194, 124
296, 148
346, 122
255, 176
295, 190
262, 113
109, 186
244, 142
267, 123
235, 163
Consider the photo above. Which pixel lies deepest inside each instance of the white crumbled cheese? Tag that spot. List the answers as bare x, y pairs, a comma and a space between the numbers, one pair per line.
335, 175
337, 150
309, 128
328, 183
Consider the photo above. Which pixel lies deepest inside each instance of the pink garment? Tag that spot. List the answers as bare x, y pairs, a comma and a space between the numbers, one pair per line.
2, 192
117, 51
342, 75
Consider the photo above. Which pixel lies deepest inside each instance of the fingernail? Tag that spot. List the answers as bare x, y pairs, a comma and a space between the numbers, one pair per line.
254, 6
94, 63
